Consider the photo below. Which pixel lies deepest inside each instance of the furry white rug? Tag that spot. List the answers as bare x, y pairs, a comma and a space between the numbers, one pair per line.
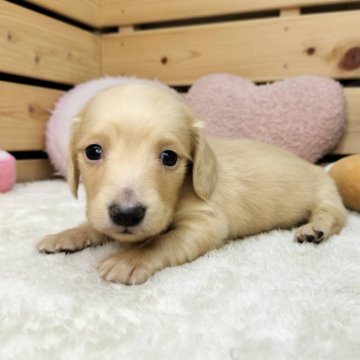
263, 297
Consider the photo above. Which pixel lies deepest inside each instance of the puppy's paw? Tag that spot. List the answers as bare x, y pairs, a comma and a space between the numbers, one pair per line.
67, 241
129, 267
310, 233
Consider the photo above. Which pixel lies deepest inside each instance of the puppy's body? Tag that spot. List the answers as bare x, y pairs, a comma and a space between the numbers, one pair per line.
261, 187
214, 190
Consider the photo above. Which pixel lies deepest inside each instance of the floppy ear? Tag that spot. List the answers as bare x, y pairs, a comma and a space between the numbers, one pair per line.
204, 171
73, 173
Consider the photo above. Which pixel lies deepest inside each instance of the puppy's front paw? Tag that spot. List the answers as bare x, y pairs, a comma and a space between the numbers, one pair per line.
129, 267
67, 241
310, 233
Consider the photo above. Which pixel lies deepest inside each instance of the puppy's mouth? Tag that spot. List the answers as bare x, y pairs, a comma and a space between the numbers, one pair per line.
126, 231
133, 234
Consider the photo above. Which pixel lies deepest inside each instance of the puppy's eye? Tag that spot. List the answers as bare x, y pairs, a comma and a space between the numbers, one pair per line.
94, 152
168, 158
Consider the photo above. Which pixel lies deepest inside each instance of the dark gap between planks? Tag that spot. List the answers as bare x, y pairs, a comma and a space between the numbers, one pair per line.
53, 14
29, 155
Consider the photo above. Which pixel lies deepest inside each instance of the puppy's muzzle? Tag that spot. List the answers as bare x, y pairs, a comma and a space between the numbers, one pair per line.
129, 216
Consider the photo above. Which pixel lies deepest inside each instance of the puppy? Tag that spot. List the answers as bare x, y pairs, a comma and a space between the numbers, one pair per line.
152, 180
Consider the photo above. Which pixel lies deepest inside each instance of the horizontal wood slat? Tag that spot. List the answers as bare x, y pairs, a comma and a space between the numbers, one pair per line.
262, 50
123, 12
37, 46
24, 111
32, 170
85, 11
350, 142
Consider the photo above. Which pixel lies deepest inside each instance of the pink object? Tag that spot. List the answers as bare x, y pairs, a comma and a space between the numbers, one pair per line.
7, 171
59, 125
304, 114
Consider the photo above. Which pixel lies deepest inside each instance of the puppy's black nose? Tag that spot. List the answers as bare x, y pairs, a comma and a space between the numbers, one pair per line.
130, 216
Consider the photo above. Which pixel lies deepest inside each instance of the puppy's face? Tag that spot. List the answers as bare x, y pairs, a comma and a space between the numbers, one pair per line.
132, 145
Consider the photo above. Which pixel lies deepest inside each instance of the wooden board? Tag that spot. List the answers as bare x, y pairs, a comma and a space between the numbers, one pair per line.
350, 142
123, 12
86, 11
24, 112
38, 46
32, 170
261, 50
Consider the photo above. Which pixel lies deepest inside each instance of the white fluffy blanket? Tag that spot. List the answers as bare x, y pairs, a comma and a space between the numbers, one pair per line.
263, 297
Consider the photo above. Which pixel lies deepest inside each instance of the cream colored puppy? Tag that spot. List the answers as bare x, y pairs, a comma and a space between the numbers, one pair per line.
152, 179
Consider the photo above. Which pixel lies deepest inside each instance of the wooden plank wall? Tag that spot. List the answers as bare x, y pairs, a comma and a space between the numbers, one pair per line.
24, 113
290, 42
177, 41
262, 50
44, 56
37, 46
125, 12
350, 142
86, 11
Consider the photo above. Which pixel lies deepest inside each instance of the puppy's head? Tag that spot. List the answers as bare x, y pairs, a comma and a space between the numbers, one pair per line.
133, 145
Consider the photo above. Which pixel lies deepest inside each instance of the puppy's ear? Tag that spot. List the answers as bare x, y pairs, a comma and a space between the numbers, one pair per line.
204, 171
73, 173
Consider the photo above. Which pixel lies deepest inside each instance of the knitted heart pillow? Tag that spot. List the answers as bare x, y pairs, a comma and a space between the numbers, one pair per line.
305, 114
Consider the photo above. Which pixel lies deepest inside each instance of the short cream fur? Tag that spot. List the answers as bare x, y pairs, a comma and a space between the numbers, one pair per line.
217, 190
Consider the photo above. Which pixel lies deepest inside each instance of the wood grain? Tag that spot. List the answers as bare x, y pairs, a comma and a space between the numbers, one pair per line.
85, 11
262, 50
32, 170
24, 112
350, 142
290, 12
123, 12
35, 45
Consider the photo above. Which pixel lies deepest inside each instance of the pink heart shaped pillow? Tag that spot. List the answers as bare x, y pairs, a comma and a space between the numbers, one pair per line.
304, 114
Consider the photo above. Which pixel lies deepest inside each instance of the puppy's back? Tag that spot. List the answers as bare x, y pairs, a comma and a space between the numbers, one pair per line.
261, 187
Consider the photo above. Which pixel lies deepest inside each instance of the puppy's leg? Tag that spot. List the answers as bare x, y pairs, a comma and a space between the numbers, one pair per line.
180, 245
71, 240
327, 218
